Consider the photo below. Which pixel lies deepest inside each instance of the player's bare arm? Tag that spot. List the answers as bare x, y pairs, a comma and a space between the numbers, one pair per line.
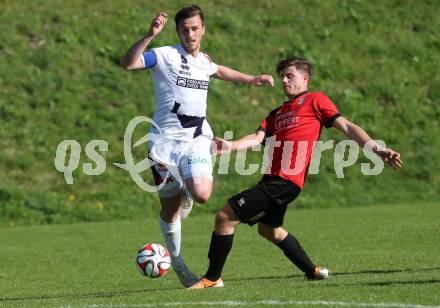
356, 133
229, 74
132, 59
222, 146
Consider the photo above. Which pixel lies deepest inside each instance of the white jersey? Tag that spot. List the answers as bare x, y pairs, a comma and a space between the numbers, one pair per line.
181, 87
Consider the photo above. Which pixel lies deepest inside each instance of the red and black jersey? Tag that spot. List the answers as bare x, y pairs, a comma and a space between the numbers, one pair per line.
296, 127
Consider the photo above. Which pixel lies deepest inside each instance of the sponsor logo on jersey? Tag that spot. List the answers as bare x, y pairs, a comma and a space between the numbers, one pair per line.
185, 73
184, 70
192, 83
285, 120
198, 160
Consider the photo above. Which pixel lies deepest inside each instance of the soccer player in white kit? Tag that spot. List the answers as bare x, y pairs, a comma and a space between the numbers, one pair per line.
182, 138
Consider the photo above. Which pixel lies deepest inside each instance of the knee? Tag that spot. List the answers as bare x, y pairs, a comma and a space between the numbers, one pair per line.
221, 218
272, 234
225, 220
202, 196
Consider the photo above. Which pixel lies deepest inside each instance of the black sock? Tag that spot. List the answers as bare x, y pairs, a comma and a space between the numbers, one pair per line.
218, 252
293, 250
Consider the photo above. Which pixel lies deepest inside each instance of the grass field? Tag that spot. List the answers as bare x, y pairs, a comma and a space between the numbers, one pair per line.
378, 255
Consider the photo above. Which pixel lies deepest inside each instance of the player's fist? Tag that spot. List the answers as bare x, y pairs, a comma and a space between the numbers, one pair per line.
158, 23
262, 80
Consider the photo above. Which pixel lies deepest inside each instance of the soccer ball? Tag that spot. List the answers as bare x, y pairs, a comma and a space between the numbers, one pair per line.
153, 260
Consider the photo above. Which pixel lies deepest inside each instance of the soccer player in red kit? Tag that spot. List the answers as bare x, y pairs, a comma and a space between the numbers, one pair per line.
294, 128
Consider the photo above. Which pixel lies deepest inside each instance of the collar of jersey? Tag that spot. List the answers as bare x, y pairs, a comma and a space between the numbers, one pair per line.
296, 96
186, 53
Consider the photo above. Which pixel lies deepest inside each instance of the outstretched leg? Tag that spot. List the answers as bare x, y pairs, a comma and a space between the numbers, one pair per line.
292, 250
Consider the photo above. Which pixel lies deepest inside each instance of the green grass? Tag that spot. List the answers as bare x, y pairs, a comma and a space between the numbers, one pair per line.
377, 254
59, 79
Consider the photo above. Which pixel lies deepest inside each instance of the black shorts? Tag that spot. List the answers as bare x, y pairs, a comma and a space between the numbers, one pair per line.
266, 202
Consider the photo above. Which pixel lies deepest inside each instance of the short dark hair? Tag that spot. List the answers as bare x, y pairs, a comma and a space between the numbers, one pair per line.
188, 12
299, 63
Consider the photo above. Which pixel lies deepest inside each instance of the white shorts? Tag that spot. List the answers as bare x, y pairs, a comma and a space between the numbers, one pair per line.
177, 161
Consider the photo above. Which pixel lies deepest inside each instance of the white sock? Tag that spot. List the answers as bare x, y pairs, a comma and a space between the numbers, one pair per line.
172, 235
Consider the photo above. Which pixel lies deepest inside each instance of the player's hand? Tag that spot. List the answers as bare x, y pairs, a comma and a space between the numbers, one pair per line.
389, 156
262, 80
158, 23
221, 146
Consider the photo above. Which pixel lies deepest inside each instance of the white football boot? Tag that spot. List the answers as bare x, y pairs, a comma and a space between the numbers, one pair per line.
320, 273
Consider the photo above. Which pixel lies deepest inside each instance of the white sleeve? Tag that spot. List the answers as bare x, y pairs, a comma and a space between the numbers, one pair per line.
212, 68
162, 54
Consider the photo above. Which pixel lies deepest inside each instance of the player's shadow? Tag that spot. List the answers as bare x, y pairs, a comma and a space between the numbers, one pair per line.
392, 283
391, 271
355, 273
